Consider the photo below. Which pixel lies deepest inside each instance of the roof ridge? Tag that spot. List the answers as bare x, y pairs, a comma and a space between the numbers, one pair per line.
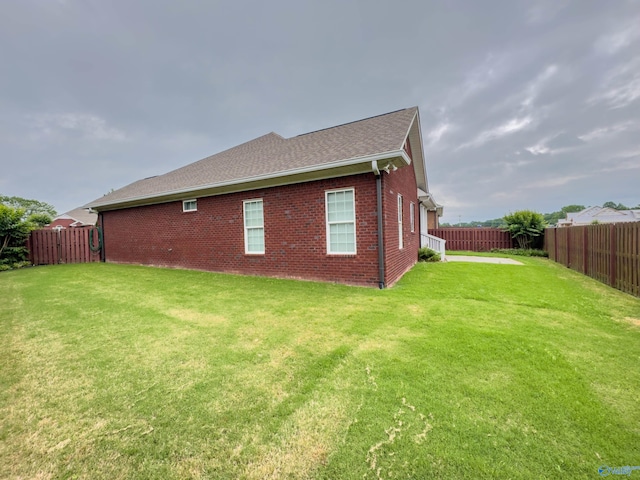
271, 156
235, 147
354, 121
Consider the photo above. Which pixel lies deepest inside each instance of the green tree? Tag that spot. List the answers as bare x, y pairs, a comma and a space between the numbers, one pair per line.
552, 218
615, 206
39, 220
525, 226
29, 206
572, 208
14, 230
18, 216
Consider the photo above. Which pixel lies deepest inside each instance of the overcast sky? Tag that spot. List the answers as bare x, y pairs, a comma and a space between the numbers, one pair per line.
523, 104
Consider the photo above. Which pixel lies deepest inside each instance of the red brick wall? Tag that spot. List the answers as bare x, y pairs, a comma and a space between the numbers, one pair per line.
212, 238
398, 261
62, 222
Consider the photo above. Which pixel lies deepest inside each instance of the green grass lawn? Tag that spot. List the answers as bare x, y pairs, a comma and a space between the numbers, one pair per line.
461, 370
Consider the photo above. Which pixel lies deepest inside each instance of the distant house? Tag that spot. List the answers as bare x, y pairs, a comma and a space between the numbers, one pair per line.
346, 204
78, 217
597, 214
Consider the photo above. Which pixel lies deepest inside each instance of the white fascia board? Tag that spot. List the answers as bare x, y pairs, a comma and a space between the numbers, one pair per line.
424, 161
428, 202
282, 174
416, 121
404, 140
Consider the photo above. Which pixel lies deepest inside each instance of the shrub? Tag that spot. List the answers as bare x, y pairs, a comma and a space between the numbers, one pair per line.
530, 252
39, 220
15, 225
23, 264
14, 231
4, 265
427, 255
525, 226
11, 255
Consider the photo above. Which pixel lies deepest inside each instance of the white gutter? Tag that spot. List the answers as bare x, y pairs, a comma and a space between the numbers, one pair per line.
374, 167
342, 163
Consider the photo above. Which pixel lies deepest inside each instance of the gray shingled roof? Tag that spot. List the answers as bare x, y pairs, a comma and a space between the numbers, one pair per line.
273, 155
81, 215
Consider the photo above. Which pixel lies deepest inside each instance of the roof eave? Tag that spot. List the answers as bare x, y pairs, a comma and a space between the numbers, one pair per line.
429, 202
351, 166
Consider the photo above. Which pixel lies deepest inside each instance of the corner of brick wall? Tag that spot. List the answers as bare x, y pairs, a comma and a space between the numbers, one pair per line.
399, 261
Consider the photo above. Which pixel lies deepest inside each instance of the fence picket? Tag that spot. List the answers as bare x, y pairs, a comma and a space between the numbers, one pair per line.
49, 247
473, 239
608, 253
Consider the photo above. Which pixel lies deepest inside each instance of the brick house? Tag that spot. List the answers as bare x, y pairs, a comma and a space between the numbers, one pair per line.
76, 218
345, 204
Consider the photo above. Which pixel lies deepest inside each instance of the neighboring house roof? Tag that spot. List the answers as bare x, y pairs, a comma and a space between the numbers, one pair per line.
273, 160
78, 216
600, 215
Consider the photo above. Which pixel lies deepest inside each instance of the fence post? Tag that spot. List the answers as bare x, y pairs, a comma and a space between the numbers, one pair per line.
29, 247
58, 246
569, 248
612, 255
585, 249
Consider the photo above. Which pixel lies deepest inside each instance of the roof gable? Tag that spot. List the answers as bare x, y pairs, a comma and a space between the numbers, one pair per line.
78, 215
280, 159
606, 211
600, 214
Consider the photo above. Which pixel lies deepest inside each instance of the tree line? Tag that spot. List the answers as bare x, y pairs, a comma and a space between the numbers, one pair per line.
550, 218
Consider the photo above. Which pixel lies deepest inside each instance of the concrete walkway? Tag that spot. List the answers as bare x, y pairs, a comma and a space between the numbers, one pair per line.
468, 258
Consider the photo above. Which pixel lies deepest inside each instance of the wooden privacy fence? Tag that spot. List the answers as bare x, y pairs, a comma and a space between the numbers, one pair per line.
71, 245
473, 239
610, 253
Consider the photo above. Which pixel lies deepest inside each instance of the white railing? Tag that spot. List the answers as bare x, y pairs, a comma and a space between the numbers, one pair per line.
434, 243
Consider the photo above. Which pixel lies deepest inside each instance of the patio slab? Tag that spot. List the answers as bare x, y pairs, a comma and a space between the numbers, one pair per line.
469, 258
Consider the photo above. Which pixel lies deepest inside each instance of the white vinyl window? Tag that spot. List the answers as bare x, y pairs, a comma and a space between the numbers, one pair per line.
412, 215
253, 227
189, 205
341, 221
400, 239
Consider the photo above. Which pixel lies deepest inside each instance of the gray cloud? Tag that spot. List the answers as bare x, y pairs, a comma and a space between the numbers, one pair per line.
532, 107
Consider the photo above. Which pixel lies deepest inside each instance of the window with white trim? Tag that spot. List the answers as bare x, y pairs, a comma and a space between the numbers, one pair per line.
412, 217
341, 221
400, 239
189, 205
253, 226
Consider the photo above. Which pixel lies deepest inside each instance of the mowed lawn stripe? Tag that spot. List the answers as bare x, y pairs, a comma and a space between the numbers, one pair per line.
459, 371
